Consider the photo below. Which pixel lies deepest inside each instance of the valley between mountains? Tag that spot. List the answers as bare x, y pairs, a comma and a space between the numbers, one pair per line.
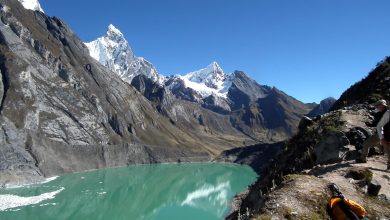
70, 106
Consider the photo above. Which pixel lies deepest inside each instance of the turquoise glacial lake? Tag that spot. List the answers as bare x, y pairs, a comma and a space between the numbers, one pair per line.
164, 191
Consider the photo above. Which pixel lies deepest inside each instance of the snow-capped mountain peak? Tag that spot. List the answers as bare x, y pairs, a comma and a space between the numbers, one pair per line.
209, 81
115, 34
113, 29
214, 66
114, 52
206, 75
32, 5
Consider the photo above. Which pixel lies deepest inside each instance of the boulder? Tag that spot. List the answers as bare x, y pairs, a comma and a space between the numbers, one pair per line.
373, 188
332, 148
304, 123
363, 175
360, 173
357, 136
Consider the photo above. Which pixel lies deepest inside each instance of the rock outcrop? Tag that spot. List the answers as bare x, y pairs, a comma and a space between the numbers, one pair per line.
256, 156
332, 148
323, 107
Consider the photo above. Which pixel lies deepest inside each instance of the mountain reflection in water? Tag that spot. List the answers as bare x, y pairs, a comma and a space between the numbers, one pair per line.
164, 191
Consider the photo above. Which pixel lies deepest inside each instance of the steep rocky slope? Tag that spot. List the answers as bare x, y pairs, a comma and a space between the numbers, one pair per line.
295, 184
373, 87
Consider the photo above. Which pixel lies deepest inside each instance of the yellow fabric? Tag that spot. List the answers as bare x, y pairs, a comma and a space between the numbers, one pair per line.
358, 209
338, 213
333, 201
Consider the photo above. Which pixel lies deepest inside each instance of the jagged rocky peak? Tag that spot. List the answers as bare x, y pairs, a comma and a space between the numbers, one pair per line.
209, 81
115, 34
114, 52
210, 74
31, 5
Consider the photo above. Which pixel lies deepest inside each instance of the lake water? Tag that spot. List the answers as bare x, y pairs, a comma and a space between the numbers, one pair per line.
164, 191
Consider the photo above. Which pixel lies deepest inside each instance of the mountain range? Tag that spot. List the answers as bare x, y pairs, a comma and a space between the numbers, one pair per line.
260, 112
69, 106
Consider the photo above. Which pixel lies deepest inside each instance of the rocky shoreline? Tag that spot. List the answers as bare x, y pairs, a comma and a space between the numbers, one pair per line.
55, 158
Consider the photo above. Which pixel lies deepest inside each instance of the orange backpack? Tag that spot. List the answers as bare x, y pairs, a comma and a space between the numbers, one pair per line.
340, 208
343, 209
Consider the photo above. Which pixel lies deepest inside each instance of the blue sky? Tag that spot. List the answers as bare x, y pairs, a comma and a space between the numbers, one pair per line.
310, 49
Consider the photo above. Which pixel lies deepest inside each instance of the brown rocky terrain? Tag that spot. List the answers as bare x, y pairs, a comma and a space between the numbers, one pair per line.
295, 185
305, 195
